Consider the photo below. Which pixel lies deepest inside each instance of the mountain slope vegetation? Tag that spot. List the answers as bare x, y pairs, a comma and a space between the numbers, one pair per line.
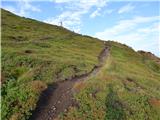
35, 55
127, 88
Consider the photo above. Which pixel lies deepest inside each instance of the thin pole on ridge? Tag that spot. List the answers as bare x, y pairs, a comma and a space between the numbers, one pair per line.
61, 23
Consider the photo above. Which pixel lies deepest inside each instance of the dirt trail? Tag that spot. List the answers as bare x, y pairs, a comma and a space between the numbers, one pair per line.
59, 96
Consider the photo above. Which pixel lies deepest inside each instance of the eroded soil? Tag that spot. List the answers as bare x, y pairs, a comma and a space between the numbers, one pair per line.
59, 96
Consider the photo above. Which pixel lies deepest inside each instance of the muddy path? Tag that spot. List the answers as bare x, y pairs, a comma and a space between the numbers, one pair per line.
59, 96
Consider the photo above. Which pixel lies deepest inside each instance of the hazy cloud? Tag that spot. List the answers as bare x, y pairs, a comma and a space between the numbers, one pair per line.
23, 8
129, 32
74, 10
126, 8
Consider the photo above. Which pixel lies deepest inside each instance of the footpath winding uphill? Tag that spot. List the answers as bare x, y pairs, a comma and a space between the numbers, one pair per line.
59, 96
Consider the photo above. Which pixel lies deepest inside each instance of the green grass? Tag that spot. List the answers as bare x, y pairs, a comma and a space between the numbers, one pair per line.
35, 54
125, 87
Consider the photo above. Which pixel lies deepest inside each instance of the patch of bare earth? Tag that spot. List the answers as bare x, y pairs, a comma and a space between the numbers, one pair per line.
155, 102
58, 97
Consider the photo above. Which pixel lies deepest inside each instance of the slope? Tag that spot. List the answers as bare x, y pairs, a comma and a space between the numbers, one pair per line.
58, 97
34, 55
126, 88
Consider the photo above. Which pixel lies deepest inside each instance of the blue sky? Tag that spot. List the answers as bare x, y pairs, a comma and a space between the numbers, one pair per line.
136, 24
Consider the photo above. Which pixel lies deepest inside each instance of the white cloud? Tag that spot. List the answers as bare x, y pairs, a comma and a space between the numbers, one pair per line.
127, 25
96, 13
23, 8
73, 12
139, 32
63, 1
126, 8
69, 19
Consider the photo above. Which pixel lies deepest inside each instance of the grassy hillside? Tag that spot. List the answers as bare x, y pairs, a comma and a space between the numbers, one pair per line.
35, 54
127, 88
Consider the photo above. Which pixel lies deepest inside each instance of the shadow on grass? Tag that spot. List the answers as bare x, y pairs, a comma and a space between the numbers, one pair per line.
114, 109
43, 100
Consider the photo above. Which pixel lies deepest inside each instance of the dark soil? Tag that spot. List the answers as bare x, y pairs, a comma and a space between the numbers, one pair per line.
59, 96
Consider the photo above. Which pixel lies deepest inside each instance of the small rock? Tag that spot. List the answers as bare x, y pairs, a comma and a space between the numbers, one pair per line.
54, 108
65, 110
49, 118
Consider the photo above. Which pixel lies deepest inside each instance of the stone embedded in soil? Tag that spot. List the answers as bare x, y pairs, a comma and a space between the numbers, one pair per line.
53, 108
49, 118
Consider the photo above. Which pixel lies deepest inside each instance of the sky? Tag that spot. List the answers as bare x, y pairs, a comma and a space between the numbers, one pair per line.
133, 22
